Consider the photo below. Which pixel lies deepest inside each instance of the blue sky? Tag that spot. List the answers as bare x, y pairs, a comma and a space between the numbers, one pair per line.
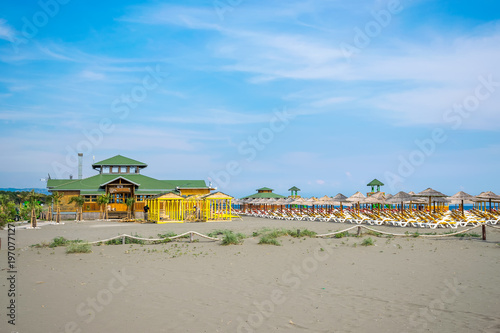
323, 95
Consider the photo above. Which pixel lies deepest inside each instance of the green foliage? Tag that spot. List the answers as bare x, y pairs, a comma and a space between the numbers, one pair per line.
78, 200
268, 239
341, 234
261, 232
79, 248
230, 238
373, 233
58, 241
218, 232
368, 242
167, 234
7, 211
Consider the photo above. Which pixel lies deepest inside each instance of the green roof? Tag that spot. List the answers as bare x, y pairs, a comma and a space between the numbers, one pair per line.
264, 189
119, 160
295, 188
143, 182
375, 182
264, 196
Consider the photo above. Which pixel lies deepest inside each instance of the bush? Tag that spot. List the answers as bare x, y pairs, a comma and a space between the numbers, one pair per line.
79, 248
268, 239
367, 242
230, 238
58, 241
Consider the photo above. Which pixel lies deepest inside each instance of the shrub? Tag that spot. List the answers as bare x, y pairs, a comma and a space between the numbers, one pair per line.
167, 234
232, 238
368, 242
58, 241
79, 248
268, 239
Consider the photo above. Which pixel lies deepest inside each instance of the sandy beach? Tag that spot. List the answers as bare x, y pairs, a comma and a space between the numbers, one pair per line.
305, 285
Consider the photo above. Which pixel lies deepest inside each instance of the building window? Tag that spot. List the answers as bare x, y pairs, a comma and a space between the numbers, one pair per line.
133, 169
106, 169
90, 198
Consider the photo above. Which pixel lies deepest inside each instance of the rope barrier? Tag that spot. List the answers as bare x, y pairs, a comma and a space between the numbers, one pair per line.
190, 233
403, 235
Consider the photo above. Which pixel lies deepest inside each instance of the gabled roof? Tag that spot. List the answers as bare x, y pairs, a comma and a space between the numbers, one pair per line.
145, 183
264, 196
119, 177
119, 160
217, 195
294, 188
264, 189
375, 182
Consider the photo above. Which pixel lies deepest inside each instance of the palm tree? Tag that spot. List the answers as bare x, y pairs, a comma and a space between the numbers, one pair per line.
130, 203
103, 200
79, 202
56, 198
23, 197
33, 205
49, 200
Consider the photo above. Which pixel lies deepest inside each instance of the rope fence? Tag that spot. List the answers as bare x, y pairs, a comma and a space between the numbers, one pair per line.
124, 236
415, 235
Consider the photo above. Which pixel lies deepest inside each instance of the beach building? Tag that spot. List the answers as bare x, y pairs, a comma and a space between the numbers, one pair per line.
264, 193
294, 192
121, 178
375, 187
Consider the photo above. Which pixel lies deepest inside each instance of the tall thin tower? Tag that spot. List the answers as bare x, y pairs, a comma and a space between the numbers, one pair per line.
80, 158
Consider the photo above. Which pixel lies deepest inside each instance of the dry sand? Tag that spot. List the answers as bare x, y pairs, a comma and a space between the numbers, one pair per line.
306, 285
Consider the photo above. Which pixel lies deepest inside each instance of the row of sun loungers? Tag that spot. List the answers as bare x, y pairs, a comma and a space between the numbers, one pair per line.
422, 219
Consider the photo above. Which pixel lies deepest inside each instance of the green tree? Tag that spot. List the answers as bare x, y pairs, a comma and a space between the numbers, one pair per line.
34, 206
22, 197
130, 204
103, 201
56, 198
7, 210
49, 201
79, 202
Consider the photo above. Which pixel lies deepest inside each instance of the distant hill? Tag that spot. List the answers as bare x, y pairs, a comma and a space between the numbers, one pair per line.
37, 190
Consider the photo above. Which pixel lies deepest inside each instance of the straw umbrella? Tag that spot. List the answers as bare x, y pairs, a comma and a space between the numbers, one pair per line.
356, 197
430, 193
377, 198
462, 196
488, 196
340, 198
401, 197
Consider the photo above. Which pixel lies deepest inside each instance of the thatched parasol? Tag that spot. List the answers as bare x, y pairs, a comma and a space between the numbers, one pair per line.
340, 198
430, 193
356, 197
488, 196
462, 196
